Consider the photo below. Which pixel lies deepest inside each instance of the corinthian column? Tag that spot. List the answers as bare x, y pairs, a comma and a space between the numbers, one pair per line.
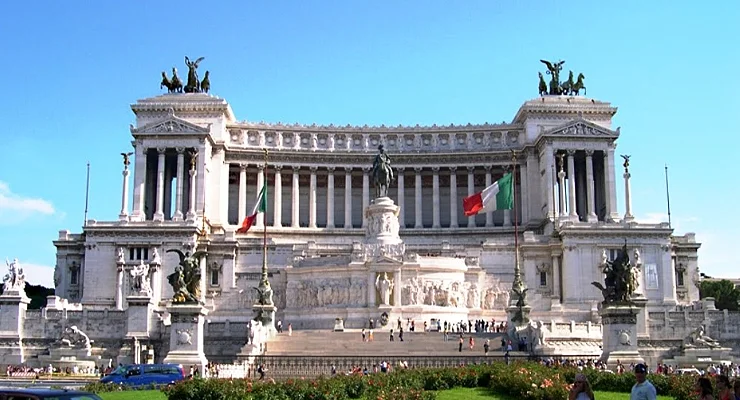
180, 176
365, 193
123, 216
401, 196
312, 198
628, 217
417, 199
119, 286
591, 217
277, 212
610, 182
435, 197
489, 182
561, 188
348, 197
330, 197
549, 160
471, 191
572, 214
295, 199
260, 221
453, 197
158, 214
193, 172
139, 183
242, 193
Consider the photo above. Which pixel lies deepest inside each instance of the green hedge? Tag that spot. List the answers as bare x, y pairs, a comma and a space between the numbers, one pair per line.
518, 380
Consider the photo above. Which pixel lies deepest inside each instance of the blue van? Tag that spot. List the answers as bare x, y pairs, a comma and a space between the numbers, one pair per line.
145, 375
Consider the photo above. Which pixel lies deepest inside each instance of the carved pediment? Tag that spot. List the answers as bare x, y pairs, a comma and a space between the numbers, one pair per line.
170, 125
384, 260
581, 128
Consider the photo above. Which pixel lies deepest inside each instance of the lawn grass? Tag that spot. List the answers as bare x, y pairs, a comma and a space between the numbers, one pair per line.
134, 395
483, 394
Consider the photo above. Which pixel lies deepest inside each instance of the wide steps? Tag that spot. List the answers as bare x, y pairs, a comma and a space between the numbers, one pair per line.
349, 343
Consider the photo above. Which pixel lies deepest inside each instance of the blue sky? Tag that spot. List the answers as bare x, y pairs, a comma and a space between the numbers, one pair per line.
71, 70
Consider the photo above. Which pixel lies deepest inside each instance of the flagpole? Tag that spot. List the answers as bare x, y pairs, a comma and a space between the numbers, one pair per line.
264, 225
517, 284
87, 194
668, 196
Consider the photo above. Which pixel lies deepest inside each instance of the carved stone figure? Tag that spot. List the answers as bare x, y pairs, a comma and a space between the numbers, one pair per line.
554, 69
473, 296
185, 281
74, 338
205, 84
121, 259
637, 273
15, 279
140, 283
619, 284
698, 338
385, 287
382, 173
542, 88
156, 258
184, 336
537, 334
127, 159
604, 258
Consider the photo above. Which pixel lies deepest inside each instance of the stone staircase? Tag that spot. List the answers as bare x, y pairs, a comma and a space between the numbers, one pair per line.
349, 343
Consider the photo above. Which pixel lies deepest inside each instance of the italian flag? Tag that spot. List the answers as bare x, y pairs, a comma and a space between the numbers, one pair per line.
259, 208
499, 196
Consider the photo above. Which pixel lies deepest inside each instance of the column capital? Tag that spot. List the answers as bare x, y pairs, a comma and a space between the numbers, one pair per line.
260, 167
243, 166
366, 170
180, 150
470, 168
589, 153
348, 170
161, 150
453, 170
435, 170
296, 168
401, 170
277, 167
331, 168
313, 169
571, 152
418, 169
488, 168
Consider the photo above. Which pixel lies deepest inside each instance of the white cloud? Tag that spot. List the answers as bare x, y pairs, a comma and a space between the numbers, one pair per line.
38, 274
652, 218
15, 208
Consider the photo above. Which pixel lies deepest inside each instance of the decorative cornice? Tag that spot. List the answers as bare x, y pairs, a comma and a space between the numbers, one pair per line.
382, 129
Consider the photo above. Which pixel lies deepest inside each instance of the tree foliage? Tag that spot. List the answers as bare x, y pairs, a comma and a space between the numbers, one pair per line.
726, 295
37, 294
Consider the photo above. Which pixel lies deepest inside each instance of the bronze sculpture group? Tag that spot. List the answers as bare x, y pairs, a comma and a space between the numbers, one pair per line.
382, 173
193, 85
185, 281
570, 87
620, 282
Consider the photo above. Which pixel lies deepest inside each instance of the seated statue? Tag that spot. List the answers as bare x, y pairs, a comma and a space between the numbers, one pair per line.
75, 338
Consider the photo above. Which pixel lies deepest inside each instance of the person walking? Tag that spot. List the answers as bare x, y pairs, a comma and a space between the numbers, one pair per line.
643, 389
486, 346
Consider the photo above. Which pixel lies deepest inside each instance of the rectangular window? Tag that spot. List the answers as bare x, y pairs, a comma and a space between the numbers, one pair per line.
138, 253
543, 278
679, 278
214, 277
73, 277
131, 253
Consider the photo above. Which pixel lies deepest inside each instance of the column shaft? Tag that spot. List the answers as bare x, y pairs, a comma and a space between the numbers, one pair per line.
453, 197
435, 198
123, 216
242, 206
418, 223
159, 214
348, 198
627, 196
556, 277
330, 198
401, 197
119, 288
139, 183
591, 217
572, 214
489, 182
312, 199
193, 173
180, 184
260, 221
277, 212
471, 191
365, 194
611, 184
295, 199
549, 160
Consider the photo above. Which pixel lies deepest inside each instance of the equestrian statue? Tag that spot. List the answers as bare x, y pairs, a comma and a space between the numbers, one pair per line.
382, 173
571, 87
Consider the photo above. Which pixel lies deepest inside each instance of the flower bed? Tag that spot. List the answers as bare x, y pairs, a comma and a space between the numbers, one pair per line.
518, 380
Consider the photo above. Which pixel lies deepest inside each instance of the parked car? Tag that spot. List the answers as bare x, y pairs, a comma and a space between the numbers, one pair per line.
46, 394
145, 375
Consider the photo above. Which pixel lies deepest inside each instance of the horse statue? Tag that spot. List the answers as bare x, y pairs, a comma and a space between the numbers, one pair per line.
193, 85
543, 85
576, 87
567, 86
382, 173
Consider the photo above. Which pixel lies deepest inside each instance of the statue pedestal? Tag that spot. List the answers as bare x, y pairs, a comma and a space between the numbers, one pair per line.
619, 341
13, 304
339, 325
517, 323
139, 318
266, 315
701, 357
382, 222
186, 335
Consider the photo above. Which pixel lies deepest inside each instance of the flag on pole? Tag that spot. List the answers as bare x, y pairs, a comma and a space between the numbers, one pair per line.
499, 196
259, 208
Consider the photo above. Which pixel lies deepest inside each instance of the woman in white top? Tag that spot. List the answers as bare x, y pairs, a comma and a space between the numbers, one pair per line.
581, 389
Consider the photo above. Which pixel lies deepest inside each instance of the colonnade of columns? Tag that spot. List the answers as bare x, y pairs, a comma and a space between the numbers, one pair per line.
581, 185
434, 204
